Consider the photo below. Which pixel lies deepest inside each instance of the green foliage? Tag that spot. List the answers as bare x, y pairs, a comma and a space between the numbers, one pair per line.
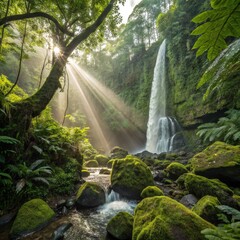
216, 25
228, 231
227, 129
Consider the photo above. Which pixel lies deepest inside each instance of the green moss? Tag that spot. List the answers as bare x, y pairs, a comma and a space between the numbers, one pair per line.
105, 171
121, 225
175, 170
206, 208
91, 163
201, 186
130, 176
31, 216
151, 191
90, 195
218, 155
101, 159
161, 164
164, 218
110, 163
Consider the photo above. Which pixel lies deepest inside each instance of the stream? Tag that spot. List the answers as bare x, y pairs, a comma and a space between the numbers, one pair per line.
87, 224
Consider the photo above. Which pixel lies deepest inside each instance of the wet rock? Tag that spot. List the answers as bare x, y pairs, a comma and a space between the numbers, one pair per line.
219, 160
120, 226
105, 171
32, 215
189, 200
90, 195
58, 234
164, 218
6, 219
85, 173
60, 204
159, 176
130, 176
70, 203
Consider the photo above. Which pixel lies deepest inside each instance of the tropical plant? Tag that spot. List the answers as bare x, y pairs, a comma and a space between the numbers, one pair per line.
27, 176
227, 129
229, 230
217, 24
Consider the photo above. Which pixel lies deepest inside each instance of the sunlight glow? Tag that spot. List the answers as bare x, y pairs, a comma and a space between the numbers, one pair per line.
57, 50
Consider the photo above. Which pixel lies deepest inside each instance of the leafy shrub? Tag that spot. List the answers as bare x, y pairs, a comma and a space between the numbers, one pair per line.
227, 129
229, 230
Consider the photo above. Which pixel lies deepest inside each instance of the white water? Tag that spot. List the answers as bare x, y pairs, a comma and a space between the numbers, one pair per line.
160, 128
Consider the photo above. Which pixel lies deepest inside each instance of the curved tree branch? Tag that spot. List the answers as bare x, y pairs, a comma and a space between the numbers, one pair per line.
35, 15
89, 30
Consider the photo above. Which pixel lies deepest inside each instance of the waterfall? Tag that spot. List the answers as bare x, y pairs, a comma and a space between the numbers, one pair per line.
161, 129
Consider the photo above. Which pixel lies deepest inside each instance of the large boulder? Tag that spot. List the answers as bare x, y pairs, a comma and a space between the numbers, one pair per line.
90, 195
32, 215
101, 159
130, 176
120, 226
164, 218
206, 208
201, 186
219, 160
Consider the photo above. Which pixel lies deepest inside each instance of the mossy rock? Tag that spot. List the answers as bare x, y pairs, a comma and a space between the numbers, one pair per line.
85, 173
105, 171
175, 170
91, 163
90, 195
201, 186
101, 159
206, 208
130, 176
121, 226
32, 215
161, 164
219, 160
118, 152
161, 217
151, 191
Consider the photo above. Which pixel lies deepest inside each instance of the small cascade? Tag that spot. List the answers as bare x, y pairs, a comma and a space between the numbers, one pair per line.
161, 129
112, 196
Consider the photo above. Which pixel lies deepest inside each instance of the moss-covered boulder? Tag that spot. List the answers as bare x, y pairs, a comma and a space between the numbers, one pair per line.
101, 159
91, 163
161, 217
32, 215
219, 160
201, 186
206, 208
161, 164
130, 176
175, 170
118, 152
151, 191
120, 226
90, 195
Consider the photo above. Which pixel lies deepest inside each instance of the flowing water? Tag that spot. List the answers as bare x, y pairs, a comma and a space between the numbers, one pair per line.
87, 224
161, 129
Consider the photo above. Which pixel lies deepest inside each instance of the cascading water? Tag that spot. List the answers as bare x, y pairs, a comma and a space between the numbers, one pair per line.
161, 129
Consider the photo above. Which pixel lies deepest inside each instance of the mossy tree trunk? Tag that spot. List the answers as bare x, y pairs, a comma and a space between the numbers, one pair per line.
22, 112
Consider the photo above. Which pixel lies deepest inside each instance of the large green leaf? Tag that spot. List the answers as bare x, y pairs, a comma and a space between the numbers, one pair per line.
217, 24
